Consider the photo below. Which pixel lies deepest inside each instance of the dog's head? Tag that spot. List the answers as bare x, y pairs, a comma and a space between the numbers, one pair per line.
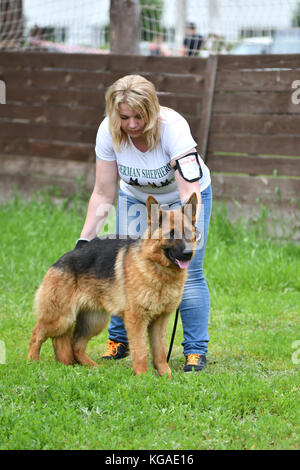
174, 230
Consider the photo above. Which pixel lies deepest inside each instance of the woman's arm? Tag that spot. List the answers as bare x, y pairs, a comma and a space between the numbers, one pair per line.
102, 198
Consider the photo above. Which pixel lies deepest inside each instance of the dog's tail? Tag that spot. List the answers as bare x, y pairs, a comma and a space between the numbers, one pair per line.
63, 350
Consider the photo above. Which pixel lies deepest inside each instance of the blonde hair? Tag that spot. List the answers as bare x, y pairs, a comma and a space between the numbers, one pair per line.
140, 95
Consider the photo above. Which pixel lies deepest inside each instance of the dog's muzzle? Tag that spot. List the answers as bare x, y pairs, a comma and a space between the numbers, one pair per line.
180, 257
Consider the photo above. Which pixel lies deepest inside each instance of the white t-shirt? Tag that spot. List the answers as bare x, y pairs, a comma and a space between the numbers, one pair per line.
144, 173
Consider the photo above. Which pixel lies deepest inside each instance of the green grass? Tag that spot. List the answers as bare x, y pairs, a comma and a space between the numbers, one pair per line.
248, 396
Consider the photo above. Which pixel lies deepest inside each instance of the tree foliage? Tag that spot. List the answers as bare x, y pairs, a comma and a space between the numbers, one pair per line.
296, 16
152, 11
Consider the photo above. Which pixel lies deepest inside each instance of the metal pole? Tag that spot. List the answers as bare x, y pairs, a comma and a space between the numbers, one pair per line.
180, 25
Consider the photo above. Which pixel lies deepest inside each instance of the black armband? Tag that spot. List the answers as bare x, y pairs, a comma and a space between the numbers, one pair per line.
189, 167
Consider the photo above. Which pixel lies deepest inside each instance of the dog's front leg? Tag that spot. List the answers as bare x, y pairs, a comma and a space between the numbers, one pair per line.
157, 337
136, 327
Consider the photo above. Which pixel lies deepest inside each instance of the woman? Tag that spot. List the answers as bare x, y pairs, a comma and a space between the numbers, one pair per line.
146, 145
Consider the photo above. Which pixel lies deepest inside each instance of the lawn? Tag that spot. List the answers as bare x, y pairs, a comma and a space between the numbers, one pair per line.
247, 397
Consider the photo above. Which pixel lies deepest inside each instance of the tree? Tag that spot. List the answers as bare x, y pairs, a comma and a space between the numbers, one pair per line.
151, 18
124, 26
11, 23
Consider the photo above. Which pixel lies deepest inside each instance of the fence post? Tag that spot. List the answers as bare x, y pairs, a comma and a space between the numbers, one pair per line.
207, 102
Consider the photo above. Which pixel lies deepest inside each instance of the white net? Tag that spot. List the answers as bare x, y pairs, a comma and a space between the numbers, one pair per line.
168, 27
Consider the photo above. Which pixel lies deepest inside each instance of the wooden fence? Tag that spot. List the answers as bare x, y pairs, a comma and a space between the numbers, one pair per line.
254, 140
239, 108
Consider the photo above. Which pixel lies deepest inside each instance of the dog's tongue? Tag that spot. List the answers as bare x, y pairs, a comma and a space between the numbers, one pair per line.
182, 264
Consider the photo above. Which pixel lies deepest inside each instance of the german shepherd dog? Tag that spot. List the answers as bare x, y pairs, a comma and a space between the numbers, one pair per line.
141, 280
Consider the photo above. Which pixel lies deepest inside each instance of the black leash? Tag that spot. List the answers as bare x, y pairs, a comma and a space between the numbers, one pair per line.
173, 334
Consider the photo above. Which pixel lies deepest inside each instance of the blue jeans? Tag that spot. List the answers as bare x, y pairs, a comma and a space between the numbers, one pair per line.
195, 303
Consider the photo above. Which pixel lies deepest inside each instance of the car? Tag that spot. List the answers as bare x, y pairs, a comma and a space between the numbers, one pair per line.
254, 45
286, 41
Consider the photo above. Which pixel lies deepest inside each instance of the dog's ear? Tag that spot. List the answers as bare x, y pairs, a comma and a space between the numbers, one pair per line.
154, 215
190, 206
150, 201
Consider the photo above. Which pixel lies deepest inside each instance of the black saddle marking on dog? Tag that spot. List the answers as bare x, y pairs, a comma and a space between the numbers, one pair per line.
96, 258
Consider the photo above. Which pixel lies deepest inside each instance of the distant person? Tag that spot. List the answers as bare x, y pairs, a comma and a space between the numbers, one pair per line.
192, 41
157, 47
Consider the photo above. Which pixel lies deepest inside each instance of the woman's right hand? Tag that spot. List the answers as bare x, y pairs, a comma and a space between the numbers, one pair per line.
80, 243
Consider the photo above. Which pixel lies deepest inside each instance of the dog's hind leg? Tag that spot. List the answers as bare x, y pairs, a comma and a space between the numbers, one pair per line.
88, 325
157, 337
55, 316
62, 343
63, 350
38, 337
